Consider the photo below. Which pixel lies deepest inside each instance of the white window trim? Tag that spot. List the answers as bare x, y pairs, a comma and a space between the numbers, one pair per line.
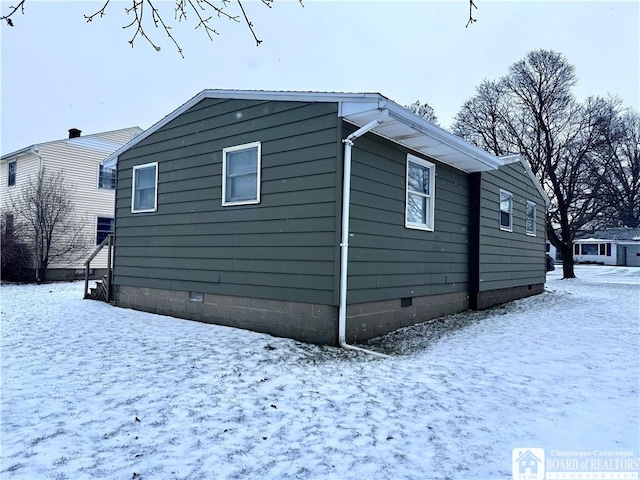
535, 218
98, 182
432, 195
133, 188
236, 148
15, 174
96, 226
510, 227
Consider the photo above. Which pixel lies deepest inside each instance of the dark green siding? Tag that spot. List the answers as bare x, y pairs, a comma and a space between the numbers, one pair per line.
510, 259
387, 260
283, 248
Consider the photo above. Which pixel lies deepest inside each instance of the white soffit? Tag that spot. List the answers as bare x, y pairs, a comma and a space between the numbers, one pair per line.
406, 129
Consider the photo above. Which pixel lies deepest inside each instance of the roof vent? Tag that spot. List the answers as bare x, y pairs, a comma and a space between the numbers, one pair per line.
74, 133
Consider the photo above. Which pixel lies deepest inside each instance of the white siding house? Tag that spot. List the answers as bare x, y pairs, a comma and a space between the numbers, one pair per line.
616, 246
79, 157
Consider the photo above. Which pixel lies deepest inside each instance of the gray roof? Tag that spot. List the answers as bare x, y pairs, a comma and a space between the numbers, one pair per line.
622, 234
88, 141
401, 126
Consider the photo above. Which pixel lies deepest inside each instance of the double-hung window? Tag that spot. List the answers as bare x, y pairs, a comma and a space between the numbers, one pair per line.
420, 193
104, 227
107, 178
11, 177
530, 226
241, 174
144, 188
506, 211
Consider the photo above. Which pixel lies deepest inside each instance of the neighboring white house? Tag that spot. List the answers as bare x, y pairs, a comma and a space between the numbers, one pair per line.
616, 246
93, 186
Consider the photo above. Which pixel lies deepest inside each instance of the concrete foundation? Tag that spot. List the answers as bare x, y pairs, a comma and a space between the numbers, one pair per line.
305, 322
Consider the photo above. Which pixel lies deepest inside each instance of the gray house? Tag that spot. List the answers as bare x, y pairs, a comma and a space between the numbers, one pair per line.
327, 218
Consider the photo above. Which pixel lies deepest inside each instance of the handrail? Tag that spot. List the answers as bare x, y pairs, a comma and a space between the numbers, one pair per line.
108, 241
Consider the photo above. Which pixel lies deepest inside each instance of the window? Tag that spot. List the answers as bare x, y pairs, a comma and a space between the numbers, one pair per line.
531, 219
506, 211
420, 194
11, 177
144, 188
8, 225
107, 178
589, 249
241, 174
104, 227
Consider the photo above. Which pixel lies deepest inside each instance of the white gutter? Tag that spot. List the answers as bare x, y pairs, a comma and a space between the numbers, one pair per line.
344, 243
36, 151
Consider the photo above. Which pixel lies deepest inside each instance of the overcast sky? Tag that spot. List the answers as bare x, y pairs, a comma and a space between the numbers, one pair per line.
59, 72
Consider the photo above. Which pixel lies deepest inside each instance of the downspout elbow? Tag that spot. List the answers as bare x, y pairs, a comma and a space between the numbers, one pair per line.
36, 151
344, 244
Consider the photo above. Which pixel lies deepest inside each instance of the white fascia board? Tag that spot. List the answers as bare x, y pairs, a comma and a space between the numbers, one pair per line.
488, 161
265, 95
112, 160
17, 153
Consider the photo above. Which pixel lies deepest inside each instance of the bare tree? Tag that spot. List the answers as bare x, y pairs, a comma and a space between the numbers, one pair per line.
44, 214
423, 110
618, 167
532, 111
204, 13
157, 14
16, 262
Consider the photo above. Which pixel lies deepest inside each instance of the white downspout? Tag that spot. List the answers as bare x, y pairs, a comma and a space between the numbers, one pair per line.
344, 243
36, 151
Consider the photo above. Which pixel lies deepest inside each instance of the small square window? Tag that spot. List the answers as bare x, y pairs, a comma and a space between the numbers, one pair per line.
420, 194
506, 211
104, 227
531, 219
144, 188
11, 177
241, 174
106, 178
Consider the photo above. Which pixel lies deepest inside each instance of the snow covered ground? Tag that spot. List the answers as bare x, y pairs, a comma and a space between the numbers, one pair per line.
94, 391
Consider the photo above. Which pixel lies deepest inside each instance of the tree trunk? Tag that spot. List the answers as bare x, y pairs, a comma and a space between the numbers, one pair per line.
567, 261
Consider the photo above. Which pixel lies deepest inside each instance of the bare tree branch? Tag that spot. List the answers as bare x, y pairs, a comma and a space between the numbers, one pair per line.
102, 12
471, 19
249, 24
19, 6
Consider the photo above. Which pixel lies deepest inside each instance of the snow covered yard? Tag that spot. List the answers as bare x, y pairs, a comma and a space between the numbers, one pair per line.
93, 391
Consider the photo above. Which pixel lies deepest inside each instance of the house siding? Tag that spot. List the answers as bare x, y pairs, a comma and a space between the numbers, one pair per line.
513, 259
81, 167
386, 259
284, 248
79, 159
